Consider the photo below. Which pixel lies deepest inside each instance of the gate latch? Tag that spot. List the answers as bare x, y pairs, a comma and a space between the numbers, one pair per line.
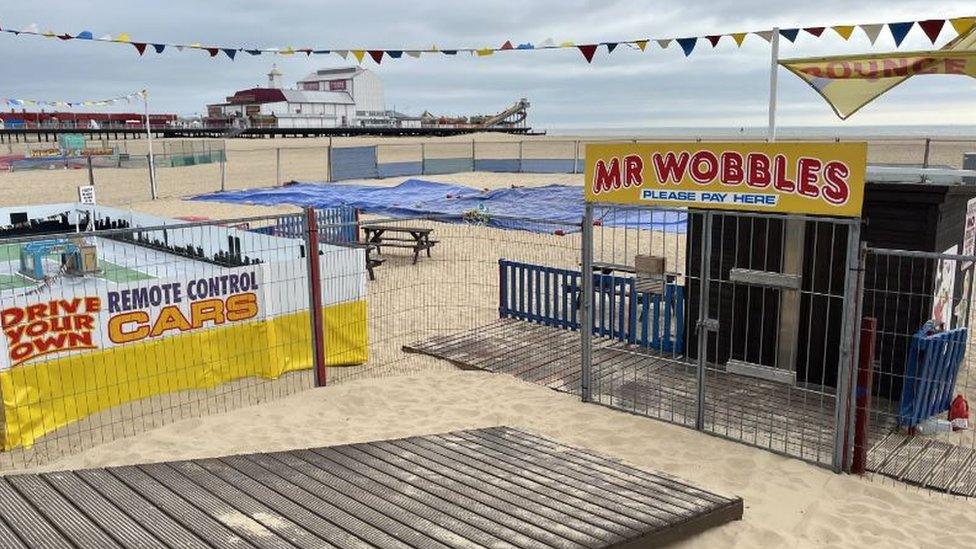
709, 324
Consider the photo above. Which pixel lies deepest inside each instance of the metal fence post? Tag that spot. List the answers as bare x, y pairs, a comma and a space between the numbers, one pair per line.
152, 177
473, 157
223, 167
520, 156
586, 304
328, 169
576, 156
423, 158
277, 166
704, 324
315, 296
845, 398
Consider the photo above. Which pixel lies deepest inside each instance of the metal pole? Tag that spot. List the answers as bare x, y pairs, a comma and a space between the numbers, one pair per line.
704, 323
473, 156
152, 162
586, 304
315, 296
223, 167
423, 158
845, 396
91, 174
773, 72
328, 168
277, 166
576, 156
520, 157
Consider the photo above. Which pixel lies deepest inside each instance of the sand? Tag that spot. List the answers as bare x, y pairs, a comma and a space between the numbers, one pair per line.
788, 502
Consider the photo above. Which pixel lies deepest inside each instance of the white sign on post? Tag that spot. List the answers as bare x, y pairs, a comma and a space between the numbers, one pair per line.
86, 195
969, 233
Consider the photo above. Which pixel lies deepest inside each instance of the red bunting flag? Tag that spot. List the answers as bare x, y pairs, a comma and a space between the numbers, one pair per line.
213, 51
140, 47
714, 39
932, 28
377, 55
65, 36
587, 50
507, 46
816, 31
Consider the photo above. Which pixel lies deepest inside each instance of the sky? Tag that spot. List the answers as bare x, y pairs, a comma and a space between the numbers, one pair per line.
659, 88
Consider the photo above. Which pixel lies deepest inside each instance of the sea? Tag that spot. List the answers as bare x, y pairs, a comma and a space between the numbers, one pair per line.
962, 132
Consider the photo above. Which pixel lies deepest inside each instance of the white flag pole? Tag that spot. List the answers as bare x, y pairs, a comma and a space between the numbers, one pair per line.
152, 162
773, 70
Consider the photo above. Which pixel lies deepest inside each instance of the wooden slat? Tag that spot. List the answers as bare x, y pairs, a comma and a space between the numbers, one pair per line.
61, 513
29, 525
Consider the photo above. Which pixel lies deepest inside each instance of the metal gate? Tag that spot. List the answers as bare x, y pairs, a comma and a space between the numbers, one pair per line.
767, 305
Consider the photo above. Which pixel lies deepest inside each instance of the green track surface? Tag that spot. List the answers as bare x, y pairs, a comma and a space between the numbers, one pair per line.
110, 271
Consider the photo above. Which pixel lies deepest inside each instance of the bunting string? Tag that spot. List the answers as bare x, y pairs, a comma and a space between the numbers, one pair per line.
127, 98
932, 28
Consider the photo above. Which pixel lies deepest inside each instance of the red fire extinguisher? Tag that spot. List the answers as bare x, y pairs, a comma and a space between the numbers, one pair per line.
959, 413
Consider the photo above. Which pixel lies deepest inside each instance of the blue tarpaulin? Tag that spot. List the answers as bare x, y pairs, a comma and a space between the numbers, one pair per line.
418, 198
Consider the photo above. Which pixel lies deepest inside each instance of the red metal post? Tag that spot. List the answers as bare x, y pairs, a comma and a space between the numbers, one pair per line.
865, 379
315, 296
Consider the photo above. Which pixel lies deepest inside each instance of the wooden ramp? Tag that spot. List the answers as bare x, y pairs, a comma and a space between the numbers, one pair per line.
496, 487
783, 418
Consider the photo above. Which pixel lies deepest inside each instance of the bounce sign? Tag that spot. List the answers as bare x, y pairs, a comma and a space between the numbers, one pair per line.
800, 178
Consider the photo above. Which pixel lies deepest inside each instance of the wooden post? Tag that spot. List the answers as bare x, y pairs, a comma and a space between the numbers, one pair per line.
865, 380
315, 296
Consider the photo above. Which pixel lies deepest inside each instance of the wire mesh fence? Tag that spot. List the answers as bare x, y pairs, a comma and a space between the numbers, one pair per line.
921, 306
113, 331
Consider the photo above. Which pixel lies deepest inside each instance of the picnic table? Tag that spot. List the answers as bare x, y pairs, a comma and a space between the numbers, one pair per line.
371, 262
399, 236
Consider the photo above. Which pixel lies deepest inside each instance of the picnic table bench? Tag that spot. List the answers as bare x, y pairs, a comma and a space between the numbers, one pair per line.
399, 236
371, 262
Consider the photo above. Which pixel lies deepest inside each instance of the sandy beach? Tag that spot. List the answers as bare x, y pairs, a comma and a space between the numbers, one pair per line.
789, 503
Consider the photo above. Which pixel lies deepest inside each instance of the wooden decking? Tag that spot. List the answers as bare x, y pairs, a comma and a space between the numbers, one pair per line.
496, 487
786, 419
928, 462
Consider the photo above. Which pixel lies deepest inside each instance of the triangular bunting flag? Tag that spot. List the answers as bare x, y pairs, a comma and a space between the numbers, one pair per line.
159, 47
450, 52
816, 31
765, 35
65, 36
84, 35
414, 53
962, 24
611, 46
377, 56
642, 44
567, 44
739, 38
872, 31
526, 46
229, 52
123, 38
180, 47
253, 52
359, 54
900, 30
213, 51
287, 51
687, 44
587, 50
105, 38
140, 47
507, 46
547, 43
664, 43
322, 52
30, 29
789, 34
484, 52
196, 46
714, 38
844, 31
395, 54
49, 34
932, 28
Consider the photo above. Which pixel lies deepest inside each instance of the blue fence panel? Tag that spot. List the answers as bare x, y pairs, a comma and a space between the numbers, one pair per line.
353, 163
547, 165
395, 169
335, 225
930, 374
435, 166
507, 165
550, 296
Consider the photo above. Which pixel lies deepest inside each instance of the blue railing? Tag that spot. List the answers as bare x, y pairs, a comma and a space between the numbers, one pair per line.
335, 225
550, 296
930, 374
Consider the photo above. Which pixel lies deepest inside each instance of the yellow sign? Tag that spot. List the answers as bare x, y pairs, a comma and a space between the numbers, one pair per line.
798, 178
